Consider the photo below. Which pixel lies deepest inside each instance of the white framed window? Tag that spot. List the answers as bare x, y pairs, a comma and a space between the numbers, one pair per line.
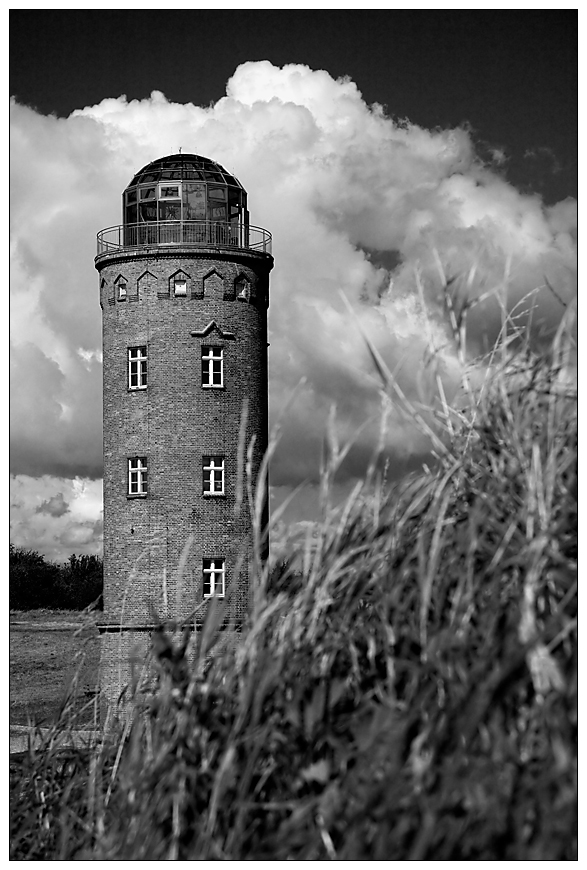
212, 366
213, 475
137, 475
180, 286
169, 190
243, 289
214, 574
122, 291
137, 368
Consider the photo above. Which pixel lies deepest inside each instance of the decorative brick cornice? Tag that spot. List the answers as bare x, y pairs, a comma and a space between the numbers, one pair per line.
155, 253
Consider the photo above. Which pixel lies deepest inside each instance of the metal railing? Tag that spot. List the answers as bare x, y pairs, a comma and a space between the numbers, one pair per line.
197, 233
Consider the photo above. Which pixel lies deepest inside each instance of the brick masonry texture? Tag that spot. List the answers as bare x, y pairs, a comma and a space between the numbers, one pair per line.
154, 546
125, 662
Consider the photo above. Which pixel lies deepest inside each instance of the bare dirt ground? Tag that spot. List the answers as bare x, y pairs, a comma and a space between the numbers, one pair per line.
47, 650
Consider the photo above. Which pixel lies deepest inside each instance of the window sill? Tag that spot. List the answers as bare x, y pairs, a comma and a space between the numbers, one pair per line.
213, 387
214, 494
137, 389
136, 494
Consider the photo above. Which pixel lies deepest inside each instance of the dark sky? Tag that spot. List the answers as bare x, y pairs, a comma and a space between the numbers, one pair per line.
510, 75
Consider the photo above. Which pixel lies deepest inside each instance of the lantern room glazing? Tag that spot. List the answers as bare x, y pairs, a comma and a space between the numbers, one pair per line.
184, 187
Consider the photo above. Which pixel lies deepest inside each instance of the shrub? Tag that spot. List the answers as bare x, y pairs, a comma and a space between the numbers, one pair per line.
80, 583
31, 580
36, 583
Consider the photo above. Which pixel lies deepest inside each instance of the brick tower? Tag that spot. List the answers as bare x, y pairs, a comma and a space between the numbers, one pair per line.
184, 291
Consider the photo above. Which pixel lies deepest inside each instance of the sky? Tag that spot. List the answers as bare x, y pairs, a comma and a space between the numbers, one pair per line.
387, 152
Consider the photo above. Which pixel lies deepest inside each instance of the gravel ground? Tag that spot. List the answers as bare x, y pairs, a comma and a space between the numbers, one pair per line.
47, 649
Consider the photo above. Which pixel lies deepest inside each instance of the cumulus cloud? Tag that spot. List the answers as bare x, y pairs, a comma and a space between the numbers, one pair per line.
55, 506
361, 206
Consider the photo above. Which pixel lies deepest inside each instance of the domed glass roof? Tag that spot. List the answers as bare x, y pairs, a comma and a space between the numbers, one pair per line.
184, 187
184, 167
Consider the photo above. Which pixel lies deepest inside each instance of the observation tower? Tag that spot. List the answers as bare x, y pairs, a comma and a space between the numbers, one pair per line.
184, 292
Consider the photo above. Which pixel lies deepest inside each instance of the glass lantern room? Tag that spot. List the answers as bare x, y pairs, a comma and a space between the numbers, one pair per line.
184, 199
186, 188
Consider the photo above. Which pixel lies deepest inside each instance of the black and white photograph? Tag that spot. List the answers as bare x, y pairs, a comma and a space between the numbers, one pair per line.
293, 434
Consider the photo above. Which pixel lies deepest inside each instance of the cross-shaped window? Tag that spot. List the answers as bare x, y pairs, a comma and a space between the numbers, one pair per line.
137, 368
214, 573
212, 367
213, 475
137, 475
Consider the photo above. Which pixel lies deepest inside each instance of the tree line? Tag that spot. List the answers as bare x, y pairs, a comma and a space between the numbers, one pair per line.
36, 582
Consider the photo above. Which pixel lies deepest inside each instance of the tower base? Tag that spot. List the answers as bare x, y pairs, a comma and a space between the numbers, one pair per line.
128, 670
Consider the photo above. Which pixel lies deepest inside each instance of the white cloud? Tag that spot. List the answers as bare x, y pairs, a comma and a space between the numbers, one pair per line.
56, 516
357, 204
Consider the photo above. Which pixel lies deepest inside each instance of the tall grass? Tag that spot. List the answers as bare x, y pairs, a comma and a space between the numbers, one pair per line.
405, 690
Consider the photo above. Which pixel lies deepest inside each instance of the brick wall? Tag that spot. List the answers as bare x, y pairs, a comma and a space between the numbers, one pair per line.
154, 546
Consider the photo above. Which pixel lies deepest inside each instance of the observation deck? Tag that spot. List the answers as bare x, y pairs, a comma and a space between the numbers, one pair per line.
190, 233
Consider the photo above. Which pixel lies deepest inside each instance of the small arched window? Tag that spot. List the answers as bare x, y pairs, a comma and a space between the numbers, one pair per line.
121, 288
180, 285
243, 289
